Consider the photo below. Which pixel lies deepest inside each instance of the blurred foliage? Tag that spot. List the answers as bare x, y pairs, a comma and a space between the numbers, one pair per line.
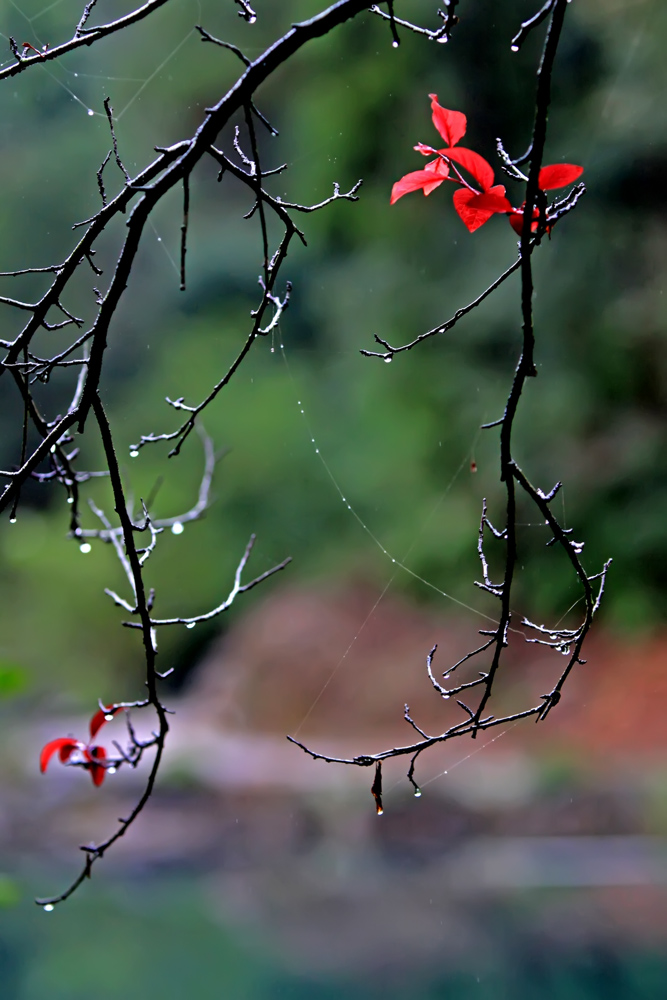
398, 439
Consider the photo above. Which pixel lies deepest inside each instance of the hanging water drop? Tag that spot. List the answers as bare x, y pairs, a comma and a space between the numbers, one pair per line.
85, 548
134, 453
177, 528
418, 793
70, 499
48, 907
515, 48
12, 520
108, 717
90, 111
111, 770
273, 350
387, 360
395, 44
190, 624
251, 20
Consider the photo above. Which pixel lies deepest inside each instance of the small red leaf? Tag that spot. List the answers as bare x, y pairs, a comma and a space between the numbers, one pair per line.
97, 770
450, 124
475, 164
516, 220
476, 209
425, 150
427, 180
64, 746
559, 175
101, 717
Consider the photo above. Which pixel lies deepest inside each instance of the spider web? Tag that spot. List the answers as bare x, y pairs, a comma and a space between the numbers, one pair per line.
77, 83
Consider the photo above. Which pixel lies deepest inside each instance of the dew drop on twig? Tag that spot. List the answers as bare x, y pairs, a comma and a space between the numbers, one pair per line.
177, 528
48, 907
190, 624
85, 548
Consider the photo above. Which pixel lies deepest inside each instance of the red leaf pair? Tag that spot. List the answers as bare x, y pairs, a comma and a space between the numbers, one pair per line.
474, 207
93, 756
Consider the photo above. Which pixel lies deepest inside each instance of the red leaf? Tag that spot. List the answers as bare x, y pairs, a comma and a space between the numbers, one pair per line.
65, 746
475, 164
100, 718
427, 180
476, 209
450, 124
516, 220
425, 150
97, 771
559, 175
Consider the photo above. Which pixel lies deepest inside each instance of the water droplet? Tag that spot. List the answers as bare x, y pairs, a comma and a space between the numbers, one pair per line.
387, 360
282, 347
446, 697
395, 44
12, 520
159, 239
76, 74
301, 411
418, 793
134, 453
53, 448
515, 48
48, 907
298, 402
90, 111
349, 507
317, 451
273, 350
111, 770
70, 499
380, 811
177, 528
343, 499
190, 624
312, 440
393, 560
251, 20
85, 548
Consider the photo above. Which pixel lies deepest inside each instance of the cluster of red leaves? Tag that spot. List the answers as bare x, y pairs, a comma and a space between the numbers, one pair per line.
474, 205
92, 758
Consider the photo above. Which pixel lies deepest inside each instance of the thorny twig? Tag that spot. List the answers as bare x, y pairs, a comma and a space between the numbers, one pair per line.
565, 641
53, 459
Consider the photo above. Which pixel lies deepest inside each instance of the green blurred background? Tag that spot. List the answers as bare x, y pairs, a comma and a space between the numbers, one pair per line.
398, 439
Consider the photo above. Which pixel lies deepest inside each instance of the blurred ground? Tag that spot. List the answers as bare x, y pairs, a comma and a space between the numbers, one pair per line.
549, 838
